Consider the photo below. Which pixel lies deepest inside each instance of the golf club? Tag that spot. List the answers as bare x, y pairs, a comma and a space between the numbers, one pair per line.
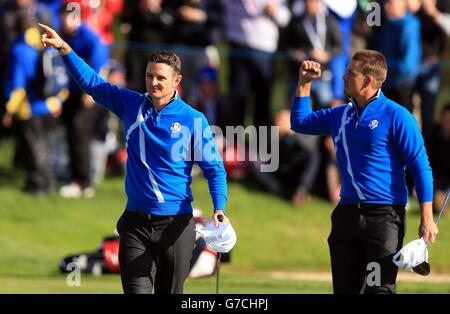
444, 204
219, 255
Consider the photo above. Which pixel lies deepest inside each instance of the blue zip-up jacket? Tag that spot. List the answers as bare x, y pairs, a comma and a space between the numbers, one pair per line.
159, 146
372, 150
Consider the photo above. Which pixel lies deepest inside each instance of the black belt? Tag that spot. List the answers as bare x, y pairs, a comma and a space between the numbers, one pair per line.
144, 215
152, 216
374, 206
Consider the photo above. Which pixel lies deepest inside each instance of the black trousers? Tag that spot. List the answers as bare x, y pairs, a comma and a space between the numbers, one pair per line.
32, 138
360, 236
155, 252
79, 123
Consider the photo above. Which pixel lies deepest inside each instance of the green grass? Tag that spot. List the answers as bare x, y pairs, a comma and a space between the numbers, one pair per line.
230, 283
37, 232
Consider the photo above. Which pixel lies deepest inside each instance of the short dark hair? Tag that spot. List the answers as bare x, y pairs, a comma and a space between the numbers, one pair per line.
373, 64
168, 57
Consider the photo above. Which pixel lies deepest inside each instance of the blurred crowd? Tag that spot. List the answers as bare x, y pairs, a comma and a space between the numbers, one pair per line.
63, 140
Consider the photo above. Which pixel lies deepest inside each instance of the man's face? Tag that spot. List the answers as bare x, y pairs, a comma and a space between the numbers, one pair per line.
312, 7
395, 9
353, 79
161, 80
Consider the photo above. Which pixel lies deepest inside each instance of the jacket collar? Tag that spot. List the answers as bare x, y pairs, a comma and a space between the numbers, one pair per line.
172, 105
373, 103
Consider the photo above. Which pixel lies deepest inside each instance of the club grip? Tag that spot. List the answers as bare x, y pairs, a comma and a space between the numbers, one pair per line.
220, 218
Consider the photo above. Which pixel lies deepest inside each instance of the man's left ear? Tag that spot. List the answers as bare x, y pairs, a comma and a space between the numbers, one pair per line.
368, 80
177, 80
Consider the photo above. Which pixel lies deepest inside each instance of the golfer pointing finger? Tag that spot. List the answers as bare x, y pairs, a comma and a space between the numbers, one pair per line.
375, 140
164, 136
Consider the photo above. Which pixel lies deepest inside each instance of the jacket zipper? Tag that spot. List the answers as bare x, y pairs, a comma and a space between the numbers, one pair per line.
356, 109
357, 116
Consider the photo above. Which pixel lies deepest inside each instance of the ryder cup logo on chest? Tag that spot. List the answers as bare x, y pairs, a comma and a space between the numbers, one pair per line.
176, 127
373, 124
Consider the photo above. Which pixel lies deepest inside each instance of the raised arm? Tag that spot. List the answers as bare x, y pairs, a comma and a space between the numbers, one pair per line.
308, 72
105, 94
303, 119
50, 38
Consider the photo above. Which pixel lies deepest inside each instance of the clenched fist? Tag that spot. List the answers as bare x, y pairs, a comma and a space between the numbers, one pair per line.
309, 71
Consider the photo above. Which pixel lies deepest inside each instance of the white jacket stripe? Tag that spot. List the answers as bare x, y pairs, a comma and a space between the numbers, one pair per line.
135, 125
343, 137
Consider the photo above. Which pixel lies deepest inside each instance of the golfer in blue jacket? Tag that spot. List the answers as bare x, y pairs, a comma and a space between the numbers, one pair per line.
164, 137
375, 139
